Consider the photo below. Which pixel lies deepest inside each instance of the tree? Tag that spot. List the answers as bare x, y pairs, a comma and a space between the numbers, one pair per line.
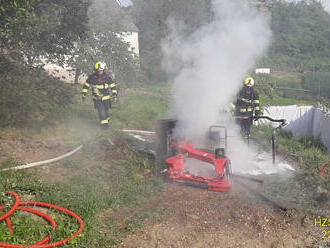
301, 35
104, 42
33, 28
151, 16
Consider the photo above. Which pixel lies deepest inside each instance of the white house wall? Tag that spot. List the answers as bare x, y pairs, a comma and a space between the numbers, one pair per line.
67, 74
133, 39
263, 70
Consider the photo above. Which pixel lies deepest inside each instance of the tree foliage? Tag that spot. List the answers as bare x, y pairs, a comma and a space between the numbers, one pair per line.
29, 94
301, 38
318, 83
41, 28
301, 32
105, 42
66, 33
151, 15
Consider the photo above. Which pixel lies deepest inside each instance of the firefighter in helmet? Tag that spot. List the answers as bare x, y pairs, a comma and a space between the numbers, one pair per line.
246, 106
104, 91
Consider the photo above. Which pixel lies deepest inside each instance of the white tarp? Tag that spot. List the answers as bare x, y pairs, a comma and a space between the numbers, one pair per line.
321, 127
302, 121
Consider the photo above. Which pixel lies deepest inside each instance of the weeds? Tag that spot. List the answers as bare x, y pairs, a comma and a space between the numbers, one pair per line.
308, 152
114, 181
28, 96
88, 196
140, 111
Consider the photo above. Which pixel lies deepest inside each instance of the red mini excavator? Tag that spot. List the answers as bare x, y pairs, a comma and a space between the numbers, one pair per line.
173, 155
177, 173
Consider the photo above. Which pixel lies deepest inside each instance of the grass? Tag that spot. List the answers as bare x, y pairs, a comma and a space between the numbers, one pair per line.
86, 196
116, 180
110, 194
294, 77
303, 190
163, 89
283, 88
309, 153
140, 111
283, 101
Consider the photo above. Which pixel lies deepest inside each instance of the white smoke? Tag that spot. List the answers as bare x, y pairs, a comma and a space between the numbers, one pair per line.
326, 5
208, 66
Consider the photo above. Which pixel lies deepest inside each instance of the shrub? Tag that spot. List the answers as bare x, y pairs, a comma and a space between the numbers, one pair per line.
29, 94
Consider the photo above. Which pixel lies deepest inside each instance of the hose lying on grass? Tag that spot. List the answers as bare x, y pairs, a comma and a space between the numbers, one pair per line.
20, 205
25, 166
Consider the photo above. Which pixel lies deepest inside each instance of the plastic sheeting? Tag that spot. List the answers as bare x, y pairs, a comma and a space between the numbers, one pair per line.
302, 121
321, 127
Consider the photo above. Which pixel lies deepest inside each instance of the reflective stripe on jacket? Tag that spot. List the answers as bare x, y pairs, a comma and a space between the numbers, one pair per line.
247, 102
102, 86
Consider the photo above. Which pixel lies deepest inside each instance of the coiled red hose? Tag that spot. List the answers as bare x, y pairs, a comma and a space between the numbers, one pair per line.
19, 205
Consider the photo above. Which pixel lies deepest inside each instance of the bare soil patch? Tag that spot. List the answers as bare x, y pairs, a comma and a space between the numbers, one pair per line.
28, 149
199, 218
193, 217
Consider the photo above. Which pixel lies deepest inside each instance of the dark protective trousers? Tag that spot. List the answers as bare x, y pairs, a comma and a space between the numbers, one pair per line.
245, 125
103, 108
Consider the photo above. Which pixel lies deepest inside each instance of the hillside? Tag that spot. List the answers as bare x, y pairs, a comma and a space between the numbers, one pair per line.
149, 168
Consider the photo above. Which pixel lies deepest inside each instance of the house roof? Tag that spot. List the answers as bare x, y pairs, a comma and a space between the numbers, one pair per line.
125, 3
126, 22
129, 25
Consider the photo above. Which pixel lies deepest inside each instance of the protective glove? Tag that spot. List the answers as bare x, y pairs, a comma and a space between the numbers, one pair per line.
257, 113
114, 98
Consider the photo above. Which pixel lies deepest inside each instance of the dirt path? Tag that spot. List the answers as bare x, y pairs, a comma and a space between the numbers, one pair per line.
192, 217
27, 148
199, 218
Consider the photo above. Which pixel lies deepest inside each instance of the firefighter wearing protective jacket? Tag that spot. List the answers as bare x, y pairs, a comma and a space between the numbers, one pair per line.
247, 105
103, 89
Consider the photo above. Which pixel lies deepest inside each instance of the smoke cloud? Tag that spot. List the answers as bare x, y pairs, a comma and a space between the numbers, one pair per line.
209, 65
326, 5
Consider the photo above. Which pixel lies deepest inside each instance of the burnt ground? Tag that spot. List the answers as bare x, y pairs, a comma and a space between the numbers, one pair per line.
183, 216
198, 218
193, 217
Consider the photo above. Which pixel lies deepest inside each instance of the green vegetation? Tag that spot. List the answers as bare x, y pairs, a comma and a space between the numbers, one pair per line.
28, 95
282, 89
106, 185
151, 18
102, 184
300, 33
293, 88
301, 36
32, 28
141, 111
300, 43
88, 197
307, 152
292, 77
318, 83
305, 189
282, 101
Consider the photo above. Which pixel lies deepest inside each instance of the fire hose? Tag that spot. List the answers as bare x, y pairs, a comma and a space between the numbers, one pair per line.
25, 166
21, 205
282, 124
